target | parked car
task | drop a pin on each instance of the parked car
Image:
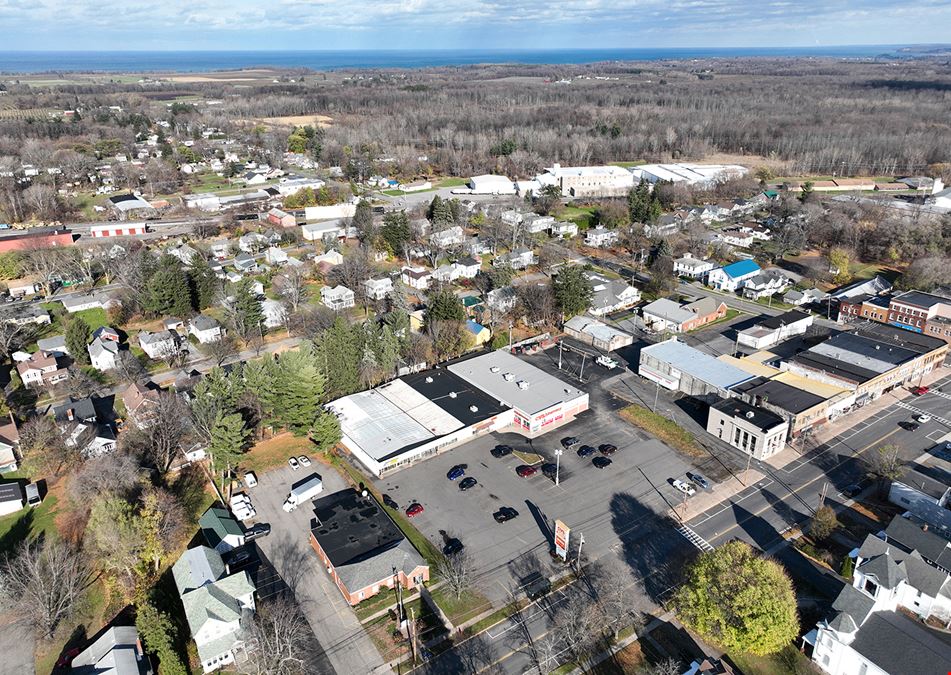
(607, 449)
(304, 460)
(239, 556)
(699, 480)
(66, 660)
(294, 464)
(524, 470)
(250, 479)
(923, 418)
(684, 487)
(607, 362)
(569, 441)
(240, 498)
(909, 426)
(257, 531)
(414, 509)
(467, 483)
(586, 450)
(504, 514)
(500, 451)
(389, 501)
(601, 462)
(455, 473)
(452, 547)
(550, 470)
(919, 391)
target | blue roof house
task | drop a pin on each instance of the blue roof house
(731, 277)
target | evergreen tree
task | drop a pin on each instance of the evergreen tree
(158, 633)
(573, 291)
(326, 430)
(339, 351)
(440, 212)
(167, 291)
(395, 231)
(247, 318)
(363, 222)
(261, 383)
(203, 284)
(445, 305)
(387, 349)
(301, 386)
(229, 436)
(77, 339)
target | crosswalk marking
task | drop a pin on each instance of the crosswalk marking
(937, 418)
(695, 538)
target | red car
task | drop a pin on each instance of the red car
(414, 509)
(524, 471)
(66, 660)
(918, 391)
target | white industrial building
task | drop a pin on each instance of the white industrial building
(420, 415)
(489, 184)
(588, 181)
(691, 174)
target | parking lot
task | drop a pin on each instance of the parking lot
(614, 508)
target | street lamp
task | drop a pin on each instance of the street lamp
(558, 453)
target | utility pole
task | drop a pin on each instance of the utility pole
(559, 354)
(580, 544)
(412, 633)
(581, 374)
(656, 394)
(558, 453)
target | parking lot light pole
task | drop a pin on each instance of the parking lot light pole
(558, 453)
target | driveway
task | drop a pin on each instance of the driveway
(341, 635)
(16, 645)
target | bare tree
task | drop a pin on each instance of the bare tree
(311, 321)
(621, 599)
(44, 582)
(14, 335)
(45, 265)
(221, 350)
(668, 666)
(456, 571)
(885, 464)
(42, 446)
(129, 368)
(169, 427)
(116, 473)
(279, 640)
(291, 285)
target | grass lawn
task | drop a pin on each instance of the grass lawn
(378, 602)
(729, 316)
(626, 165)
(27, 523)
(94, 317)
(861, 270)
(665, 430)
(583, 216)
(393, 193)
(451, 182)
(777, 304)
(209, 182)
(789, 661)
(275, 451)
(529, 458)
(459, 610)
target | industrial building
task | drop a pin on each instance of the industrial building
(774, 329)
(35, 238)
(597, 334)
(679, 367)
(364, 551)
(588, 181)
(687, 173)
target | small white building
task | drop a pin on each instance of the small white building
(205, 329)
(468, 267)
(765, 284)
(610, 295)
(275, 256)
(754, 430)
(378, 289)
(488, 184)
(730, 277)
(274, 312)
(11, 498)
(518, 259)
(103, 354)
(158, 345)
(692, 268)
(564, 229)
(451, 236)
(600, 237)
(446, 273)
(337, 298)
(774, 329)
(416, 277)
(501, 299)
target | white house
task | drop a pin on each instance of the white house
(11, 498)
(564, 229)
(468, 267)
(518, 259)
(611, 295)
(103, 354)
(158, 345)
(501, 299)
(220, 530)
(535, 224)
(217, 606)
(600, 237)
(446, 273)
(693, 268)
(765, 284)
(806, 297)
(451, 236)
(252, 242)
(511, 217)
(416, 277)
(205, 329)
(274, 312)
(275, 256)
(337, 298)
(735, 236)
(731, 277)
(9, 442)
(41, 370)
(378, 289)
(185, 253)
(220, 249)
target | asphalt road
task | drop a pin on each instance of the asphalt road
(760, 513)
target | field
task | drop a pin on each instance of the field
(296, 120)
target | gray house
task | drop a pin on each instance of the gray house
(924, 496)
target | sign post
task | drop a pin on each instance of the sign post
(562, 533)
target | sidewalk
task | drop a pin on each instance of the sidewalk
(707, 499)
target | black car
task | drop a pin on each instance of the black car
(607, 449)
(452, 547)
(549, 470)
(569, 441)
(389, 501)
(586, 451)
(467, 483)
(257, 531)
(501, 451)
(909, 426)
(239, 556)
(504, 514)
(601, 462)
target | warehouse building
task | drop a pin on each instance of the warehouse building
(598, 334)
(364, 551)
(679, 367)
(539, 402)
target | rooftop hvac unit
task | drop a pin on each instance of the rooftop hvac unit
(508, 377)
(452, 394)
(522, 384)
(750, 414)
(473, 408)
(429, 380)
(494, 369)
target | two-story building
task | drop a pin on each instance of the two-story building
(337, 298)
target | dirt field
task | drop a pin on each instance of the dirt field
(224, 76)
(297, 120)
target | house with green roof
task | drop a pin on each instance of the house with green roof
(218, 606)
(220, 530)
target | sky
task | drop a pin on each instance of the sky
(469, 24)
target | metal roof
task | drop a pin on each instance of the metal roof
(697, 364)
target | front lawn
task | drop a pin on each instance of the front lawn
(28, 523)
(275, 451)
(666, 430)
(459, 610)
(729, 316)
(789, 661)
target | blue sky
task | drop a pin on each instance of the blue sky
(490, 24)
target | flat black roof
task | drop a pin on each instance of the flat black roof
(848, 371)
(907, 339)
(10, 492)
(352, 529)
(774, 322)
(454, 395)
(780, 394)
(758, 417)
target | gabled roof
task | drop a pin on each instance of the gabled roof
(217, 524)
(741, 268)
(83, 409)
(197, 566)
(886, 569)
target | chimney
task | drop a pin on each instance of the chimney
(70, 414)
(924, 528)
